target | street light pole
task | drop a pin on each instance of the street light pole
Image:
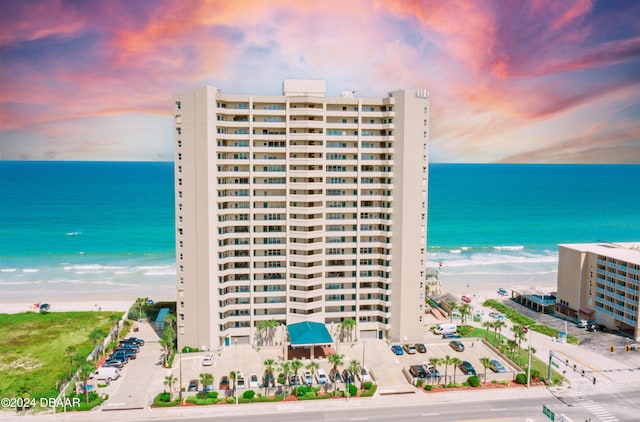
(235, 365)
(529, 364)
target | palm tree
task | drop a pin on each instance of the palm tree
(451, 305)
(96, 336)
(446, 361)
(271, 325)
(498, 325)
(139, 304)
(285, 367)
(261, 327)
(347, 326)
(296, 364)
(465, 310)
(487, 325)
(169, 380)
(115, 319)
(336, 360)
(455, 362)
(354, 367)
(206, 379)
(171, 320)
(269, 364)
(70, 351)
(512, 346)
(435, 362)
(86, 369)
(486, 363)
(313, 366)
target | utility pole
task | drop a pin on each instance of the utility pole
(525, 329)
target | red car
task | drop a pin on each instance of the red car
(466, 299)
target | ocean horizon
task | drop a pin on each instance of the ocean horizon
(108, 227)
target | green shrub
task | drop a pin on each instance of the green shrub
(188, 349)
(231, 400)
(465, 330)
(428, 387)
(249, 394)
(162, 400)
(202, 401)
(367, 385)
(353, 390)
(474, 381)
(521, 379)
(419, 382)
(370, 392)
(302, 390)
(281, 379)
(212, 395)
(494, 382)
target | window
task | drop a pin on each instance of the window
(179, 156)
(178, 105)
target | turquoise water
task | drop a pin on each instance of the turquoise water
(84, 224)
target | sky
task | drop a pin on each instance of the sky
(542, 81)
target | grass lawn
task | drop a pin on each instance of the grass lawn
(536, 364)
(32, 349)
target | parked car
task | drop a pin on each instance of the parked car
(466, 299)
(307, 378)
(335, 376)
(421, 348)
(418, 371)
(106, 374)
(502, 292)
(496, 315)
(431, 370)
(348, 376)
(268, 380)
(496, 366)
(193, 385)
(293, 380)
(224, 383)
(363, 374)
(133, 340)
(118, 358)
(129, 354)
(207, 360)
(596, 327)
(240, 382)
(253, 381)
(127, 346)
(582, 323)
(113, 363)
(410, 349)
(445, 336)
(467, 368)
(322, 377)
(457, 345)
(397, 350)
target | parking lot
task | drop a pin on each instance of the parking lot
(386, 368)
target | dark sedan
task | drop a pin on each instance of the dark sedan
(421, 348)
(467, 368)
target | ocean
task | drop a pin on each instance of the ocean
(86, 228)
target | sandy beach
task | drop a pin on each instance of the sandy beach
(63, 300)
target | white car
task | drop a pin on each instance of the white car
(363, 374)
(307, 377)
(207, 360)
(322, 377)
(253, 381)
(240, 381)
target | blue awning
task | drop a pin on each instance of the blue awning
(308, 334)
(162, 314)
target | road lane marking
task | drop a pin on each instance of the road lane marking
(358, 419)
(430, 414)
(498, 410)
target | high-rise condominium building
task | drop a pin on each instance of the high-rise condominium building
(600, 282)
(299, 207)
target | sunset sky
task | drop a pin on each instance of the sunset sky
(509, 81)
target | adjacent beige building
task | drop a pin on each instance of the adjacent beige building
(600, 282)
(299, 207)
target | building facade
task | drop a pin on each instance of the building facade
(299, 207)
(600, 282)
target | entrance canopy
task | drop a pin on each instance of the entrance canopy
(308, 334)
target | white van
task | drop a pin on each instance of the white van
(107, 374)
(446, 329)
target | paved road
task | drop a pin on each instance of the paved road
(141, 378)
